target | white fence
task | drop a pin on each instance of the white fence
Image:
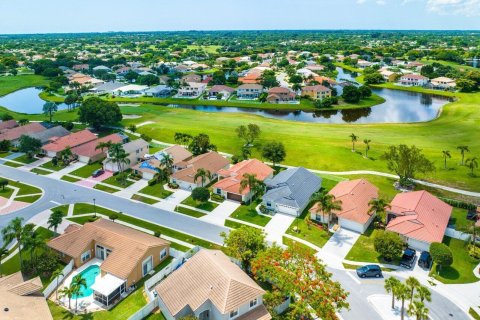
(53, 285)
(145, 311)
(282, 307)
(452, 233)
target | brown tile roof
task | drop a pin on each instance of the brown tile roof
(316, 88)
(259, 313)
(72, 140)
(420, 216)
(128, 245)
(250, 86)
(23, 299)
(208, 275)
(9, 124)
(279, 90)
(88, 149)
(219, 88)
(17, 132)
(355, 196)
(210, 161)
(178, 153)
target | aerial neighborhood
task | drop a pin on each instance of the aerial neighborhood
(240, 175)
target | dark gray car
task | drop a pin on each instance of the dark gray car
(370, 271)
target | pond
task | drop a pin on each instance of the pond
(26, 101)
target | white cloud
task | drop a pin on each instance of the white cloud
(467, 8)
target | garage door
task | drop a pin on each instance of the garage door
(234, 196)
(287, 210)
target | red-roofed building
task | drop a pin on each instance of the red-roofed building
(280, 95)
(229, 180)
(419, 217)
(87, 152)
(251, 78)
(13, 135)
(9, 124)
(355, 196)
(413, 80)
(72, 140)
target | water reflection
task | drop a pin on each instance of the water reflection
(26, 101)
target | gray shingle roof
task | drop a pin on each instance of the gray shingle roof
(292, 187)
(46, 135)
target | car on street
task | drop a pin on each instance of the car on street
(98, 173)
(425, 260)
(370, 271)
(408, 258)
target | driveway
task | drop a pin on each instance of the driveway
(71, 167)
(90, 182)
(220, 213)
(277, 226)
(338, 246)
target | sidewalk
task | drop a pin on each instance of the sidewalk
(277, 226)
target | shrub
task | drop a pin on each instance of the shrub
(474, 251)
(388, 244)
(152, 182)
(145, 137)
(68, 125)
(459, 204)
(217, 197)
(157, 234)
(173, 185)
(441, 254)
(201, 194)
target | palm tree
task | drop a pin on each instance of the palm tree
(378, 206)
(446, 154)
(67, 292)
(167, 161)
(32, 241)
(203, 174)
(472, 163)
(49, 108)
(78, 282)
(250, 181)
(412, 283)
(162, 175)
(463, 149)
(55, 219)
(327, 204)
(66, 155)
(423, 294)
(354, 139)
(403, 293)
(391, 286)
(117, 154)
(103, 145)
(56, 276)
(418, 309)
(13, 231)
(367, 146)
(3, 253)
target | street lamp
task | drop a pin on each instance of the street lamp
(94, 208)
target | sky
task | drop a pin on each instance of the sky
(66, 16)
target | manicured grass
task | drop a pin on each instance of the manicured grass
(144, 199)
(87, 170)
(6, 192)
(314, 233)
(13, 164)
(459, 219)
(207, 206)
(156, 190)
(290, 243)
(461, 270)
(81, 220)
(29, 199)
(364, 251)
(40, 171)
(105, 188)
(70, 179)
(189, 212)
(25, 159)
(115, 181)
(474, 314)
(49, 165)
(234, 224)
(249, 214)
(13, 83)
(5, 154)
(24, 188)
(63, 208)
(84, 208)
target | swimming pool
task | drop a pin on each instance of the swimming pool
(89, 274)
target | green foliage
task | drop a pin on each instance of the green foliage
(248, 133)
(244, 244)
(29, 145)
(441, 254)
(97, 113)
(200, 144)
(351, 94)
(373, 78)
(201, 194)
(389, 245)
(274, 151)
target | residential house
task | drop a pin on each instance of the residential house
(191, 78)
(160, 91)
(73, 140)
(191, 90)
(136, 151)
(130, 89)
(9, 124)
(84, 80)
(389, 76)
(210, 161)
(289, 192)
(317, 92)
(49, 134)
(80, 67)
(306, 73)
(22, 299)
(443, 83)
(355, 196)
(224, 91)
(13, 135)
(249, 91)
(148, 168)
(107, 87)
(89, 152)
(414, 65)
(101, 68)
(229, 180)
(211, 287)
(419, 217)
(126, 255)
(251, 78)
(322, 79)
(362, 64)
(280, 95)
(412, 79)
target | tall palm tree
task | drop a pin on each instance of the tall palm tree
(13, 231)
(367, 146)
(162, 175)
(446, 154)
(3, 253)
(327, 204)
(49, 108)
(55, 219)
(56, 276)
(354, 139)
(103, 145)
(423, 294)
(117, 154)
(66, 155)
(472, 163)
(203, 174)
(78, 282)
(463, 149)
(167, 161)
(391, 286)
(418, 310)
(32, 241)
(250, 181)
(412, 283)
(378, 206)
(68, 292)
(403, 294)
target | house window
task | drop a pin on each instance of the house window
(233, 313)
(163, 254)
(219, 191)
(85, 256)
(147, 266)
(269, 204)
(253, 303)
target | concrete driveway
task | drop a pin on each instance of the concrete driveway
(338, 246)
(220, 213)
(277, 226)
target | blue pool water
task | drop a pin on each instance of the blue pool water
(89, 274)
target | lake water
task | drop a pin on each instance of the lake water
(26, 101)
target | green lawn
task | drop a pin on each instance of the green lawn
(49, 165)
(459, 219)
(40, 171)
(117, 181)
(3, 154)
(25, 159)
(14, 83)
(13, 164)
(24, 188)
(461, 271)
(290, 243)
(156, 190)
(474, 314)
(207, 206)
(314, 234)
(70, 179)
(189, 212)
(81, 220)
(144, 199)
(249, 214)
(234, 224)
(364, 251)
(63, 208)
(87, 170)
(84, 208)
(6, 192)
(29, 199)
(105, 188)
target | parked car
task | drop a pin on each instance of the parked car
(98, 173)
(370, 271)
(408, 258)
(472, 215)
(425, 260)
